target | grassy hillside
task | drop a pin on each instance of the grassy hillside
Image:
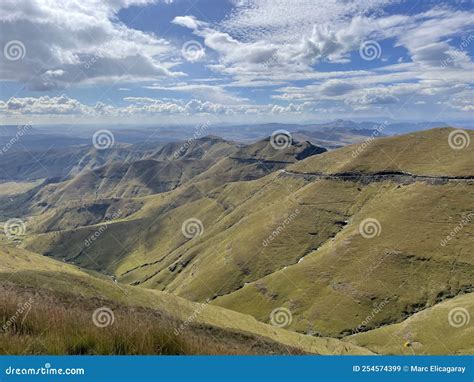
(427, 332)
(405, 265)
(423, 153)
(63, 297)
(293, 239)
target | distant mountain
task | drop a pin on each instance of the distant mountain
(125, 173)
(23, 164)
(330, 134)
(27, 137)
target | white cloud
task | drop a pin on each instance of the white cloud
(187, 21)
(69, 42)
(64, 105)
(281, 49)
(213, 93)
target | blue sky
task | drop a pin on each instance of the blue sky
(133, 61)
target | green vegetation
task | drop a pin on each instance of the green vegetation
(63, 299)
(426, 332)
(276, 232)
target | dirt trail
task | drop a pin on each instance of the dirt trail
(394, 176)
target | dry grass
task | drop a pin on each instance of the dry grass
(59, 327)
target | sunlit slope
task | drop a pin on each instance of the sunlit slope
(254, 161)
(144, 231)
(446, 328)
(405, 268)
(26, 269)
(194, 149)
(423, 153)
(293, 241)
(148, 248)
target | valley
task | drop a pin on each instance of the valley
(344, 245)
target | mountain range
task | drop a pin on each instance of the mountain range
(345, 242)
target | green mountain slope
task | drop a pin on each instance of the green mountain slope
(446, 328)
(334, 238)
(44, 281)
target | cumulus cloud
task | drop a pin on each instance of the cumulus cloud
(45, 105)
(187, 21)
(372, 98)
(67, 42)
(336, 88)
(64, 105)
(296, 61)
